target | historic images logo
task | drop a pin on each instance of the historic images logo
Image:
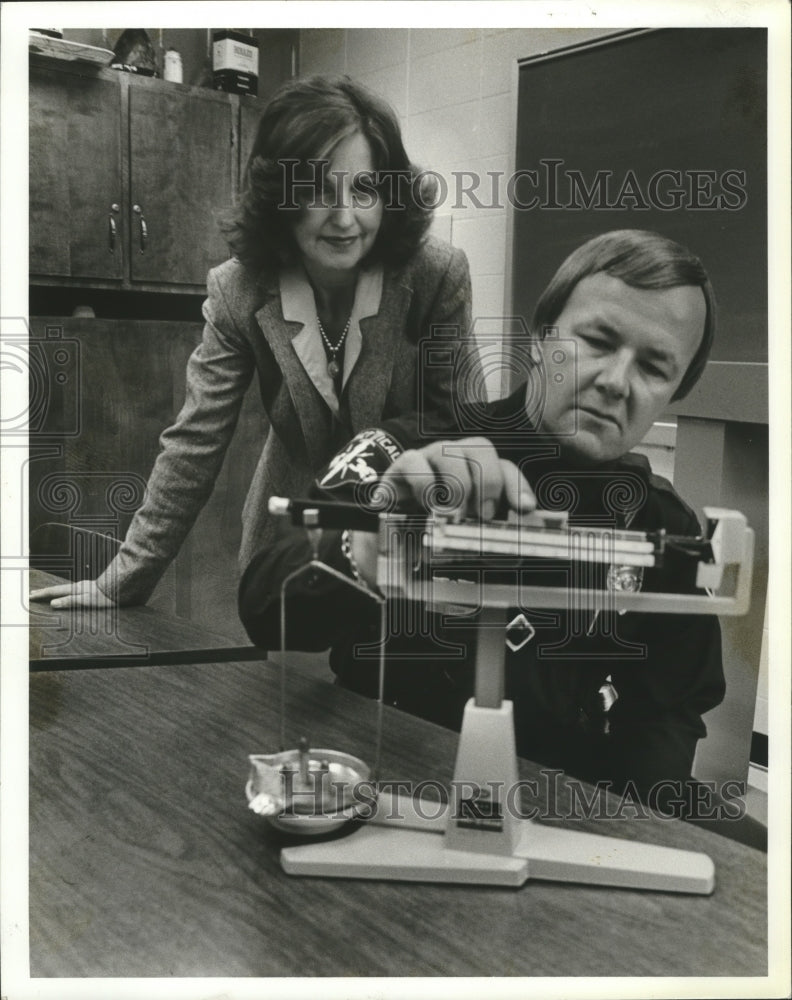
(552, 185)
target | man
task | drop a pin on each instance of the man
(623, 329)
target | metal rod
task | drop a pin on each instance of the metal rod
(380, 694)
(490, 658)
(315, 565)
(444, 592)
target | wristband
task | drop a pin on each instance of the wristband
(346, 550)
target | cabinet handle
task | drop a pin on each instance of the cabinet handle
(143, 227)
(114, 209)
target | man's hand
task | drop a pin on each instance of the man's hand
(464, 476)
(84, 594)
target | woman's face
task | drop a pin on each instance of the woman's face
(338, 231)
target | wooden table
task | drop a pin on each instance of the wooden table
(120, 637)
(146, 861)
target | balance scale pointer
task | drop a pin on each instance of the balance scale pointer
(475, 838)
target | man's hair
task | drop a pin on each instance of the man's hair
(640, 259)
(304, 121)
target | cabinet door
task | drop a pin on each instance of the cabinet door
(75, 176)
(249, 114)
(180, 180)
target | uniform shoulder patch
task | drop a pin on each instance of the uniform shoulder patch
(363, 460)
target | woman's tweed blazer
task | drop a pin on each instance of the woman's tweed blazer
(245, 332)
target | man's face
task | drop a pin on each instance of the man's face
(633, 348)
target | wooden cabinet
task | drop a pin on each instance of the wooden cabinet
(181, 178)
(128, 176)
(76, 186)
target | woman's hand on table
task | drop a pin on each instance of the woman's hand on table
(83, 594)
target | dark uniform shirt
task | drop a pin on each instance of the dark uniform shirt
(606, 697)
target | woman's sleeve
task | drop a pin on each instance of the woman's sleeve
(448, 368)
(451, 374)
(219, 372)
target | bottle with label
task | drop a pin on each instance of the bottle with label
(172, 70)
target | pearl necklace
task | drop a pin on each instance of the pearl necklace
(333, 367)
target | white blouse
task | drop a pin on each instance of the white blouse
(299, 305)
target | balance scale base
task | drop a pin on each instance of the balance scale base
(399, 842)
(542, 852)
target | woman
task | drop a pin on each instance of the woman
(333, 285)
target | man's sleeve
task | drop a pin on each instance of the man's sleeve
(321, 609)
(681, 675)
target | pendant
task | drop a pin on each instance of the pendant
(332, 368)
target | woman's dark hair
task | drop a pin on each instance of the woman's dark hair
(303, 121)
(641, 259)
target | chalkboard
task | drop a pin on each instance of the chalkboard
(662, 130)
